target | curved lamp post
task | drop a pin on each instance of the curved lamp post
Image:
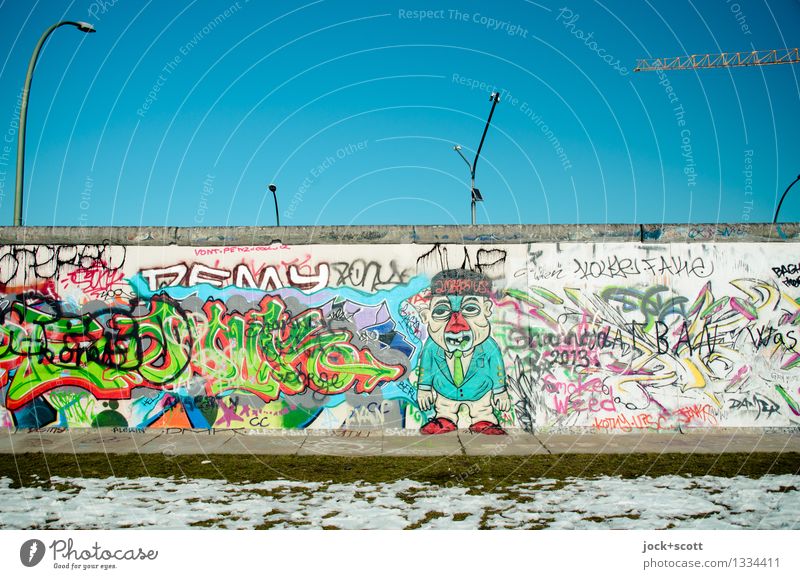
(272, 187)
(778, 210)
(23, 112)
(476, 194)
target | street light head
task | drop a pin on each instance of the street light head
(457, 148)
(85, 27)
(272, 187)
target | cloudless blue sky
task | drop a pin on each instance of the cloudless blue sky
(180, 113)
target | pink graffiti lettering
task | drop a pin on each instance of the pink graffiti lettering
(95, 280)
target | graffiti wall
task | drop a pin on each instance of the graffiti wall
(615, 337)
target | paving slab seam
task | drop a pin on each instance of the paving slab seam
(299, 448)
(160, 434)
(227, 442)
(544, 446)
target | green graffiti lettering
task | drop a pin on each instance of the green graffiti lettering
(264, 351)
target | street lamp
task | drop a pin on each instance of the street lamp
(23, 112)
(775, 220)
(272, 187)
(476, 193)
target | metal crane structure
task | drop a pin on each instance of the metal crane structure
(725, 60)
(722, 60)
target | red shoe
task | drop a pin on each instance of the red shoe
(438, 426)
(486, 427)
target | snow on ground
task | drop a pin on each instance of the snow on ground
(705, 502)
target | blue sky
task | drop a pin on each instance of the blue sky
(180, 113)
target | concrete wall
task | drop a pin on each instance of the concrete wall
(611, 328)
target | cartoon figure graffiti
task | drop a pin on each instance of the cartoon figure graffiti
(460, 364)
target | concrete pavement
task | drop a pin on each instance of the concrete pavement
(380, 443)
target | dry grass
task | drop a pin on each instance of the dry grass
(482, 473)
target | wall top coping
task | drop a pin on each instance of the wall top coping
(402, 234)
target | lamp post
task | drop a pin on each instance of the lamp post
(272, 187)
(23, 112)
(778, 210)
(476, 193)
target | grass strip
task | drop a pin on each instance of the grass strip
(471, 471)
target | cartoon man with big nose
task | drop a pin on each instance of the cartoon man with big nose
(460, 364)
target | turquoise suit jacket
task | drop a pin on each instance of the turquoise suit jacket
(486, 372)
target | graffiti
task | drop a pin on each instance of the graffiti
(22, 265)
(788, 269)
(97, 280)
(697, 413)
(757, 402)
(242, 275)
(579, 347)
(793, 405)
(527, 395)
(764, 336)
(371, 414)
(691, 341)
(650, 302)
(591, 396)
(208, 431)
(265, 351)
(250, 353)
(489, 262)
(536, 272)
(203, 251)
(615, 267)
(369, 275)
(712, 231)
(536, 336)
(461, 365)
(107, 352)
(678, 344)
(411, 322)
(630, 423)
(375, 326)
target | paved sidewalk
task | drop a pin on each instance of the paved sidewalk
(378, 443)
